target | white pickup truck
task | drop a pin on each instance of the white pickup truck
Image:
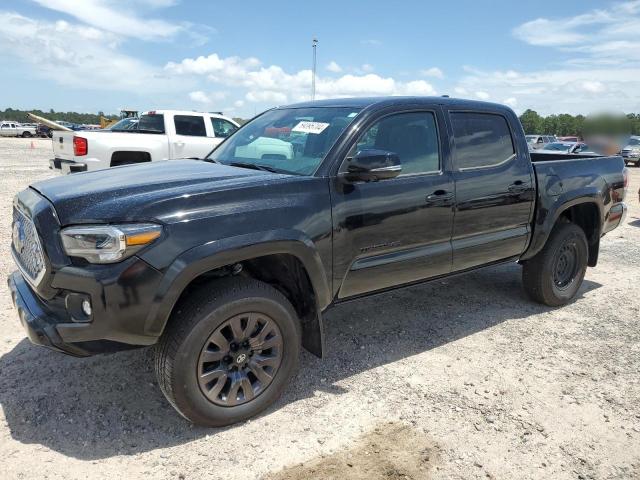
(14, 129)
(158, 135)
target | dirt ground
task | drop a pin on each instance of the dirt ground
(457, 379)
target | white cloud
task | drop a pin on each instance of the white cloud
(213, 65)
(482, 95)
(511, 101)
(334, 67)
(115, 18)
(434, 72)
(600, 36)
(560, 90)
(367, 68)
(206, 98)
(593, 86)
(372, 42)
(273, 85)
(78, 56)
(266, 96)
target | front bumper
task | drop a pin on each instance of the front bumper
(120, 295)
(67, 166)
(39, 323)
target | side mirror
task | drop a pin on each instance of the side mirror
(371, 165)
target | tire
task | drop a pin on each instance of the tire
(193, 336)
(555, 274)
(26, 134)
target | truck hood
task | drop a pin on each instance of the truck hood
(147, 191)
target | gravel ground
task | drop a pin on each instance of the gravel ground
(462, 378)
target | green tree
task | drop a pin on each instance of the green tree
(531, 122)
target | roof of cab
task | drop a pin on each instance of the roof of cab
(363, 102)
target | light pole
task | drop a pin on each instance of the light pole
(313, 73)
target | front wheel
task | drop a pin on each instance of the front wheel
(228, 352)
(555, 274)
(26, 134)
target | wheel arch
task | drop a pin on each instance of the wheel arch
(285, 260)
(586, 212)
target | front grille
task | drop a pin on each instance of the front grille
(27, 249)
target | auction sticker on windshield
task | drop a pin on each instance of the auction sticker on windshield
(310, 127)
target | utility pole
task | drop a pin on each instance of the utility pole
(313, 74)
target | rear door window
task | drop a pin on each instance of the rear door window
(191, 125)
(481, 139)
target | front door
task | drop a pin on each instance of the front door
(395, 231)
(191, 139)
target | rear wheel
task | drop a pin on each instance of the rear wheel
(26, 134)
(555, 274)
(228, 352)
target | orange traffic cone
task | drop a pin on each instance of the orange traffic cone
(32, 145)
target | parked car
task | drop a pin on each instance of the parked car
(569, 139)
(14, 129)
(539, 141)
(158, 135)
(228, 264)
(44, 131)
(631, 153)
(566, 147)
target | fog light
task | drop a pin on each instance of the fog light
(86, 307)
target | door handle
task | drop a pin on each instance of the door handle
(519, 187)
(439, 197)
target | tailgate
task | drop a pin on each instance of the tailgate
(63, 145)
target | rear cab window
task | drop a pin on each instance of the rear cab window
(190, 125)
(151, 123)
(481, 139)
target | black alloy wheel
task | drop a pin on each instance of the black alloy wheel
(240, 358)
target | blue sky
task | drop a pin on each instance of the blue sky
(243, 57)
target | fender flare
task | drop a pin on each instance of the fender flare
(218, 253)
(543, 229)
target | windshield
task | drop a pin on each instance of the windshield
(124, 125)
(531, 138)
(558, 146)
(292, 140)
(634, 141)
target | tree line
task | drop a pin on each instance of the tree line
(565, 124)
(20, 116)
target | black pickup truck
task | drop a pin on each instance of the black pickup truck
(226, 264)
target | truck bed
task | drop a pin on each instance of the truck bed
(550, 157)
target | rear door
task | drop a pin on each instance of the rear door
(395, 231)
(193, 136)
(494, 188)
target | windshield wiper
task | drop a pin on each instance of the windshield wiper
(254, 166)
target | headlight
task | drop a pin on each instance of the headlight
(108, 243)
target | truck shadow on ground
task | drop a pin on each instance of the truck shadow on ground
(111, 405)
(635, 223)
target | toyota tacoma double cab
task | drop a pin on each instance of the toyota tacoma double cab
(227, 264)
